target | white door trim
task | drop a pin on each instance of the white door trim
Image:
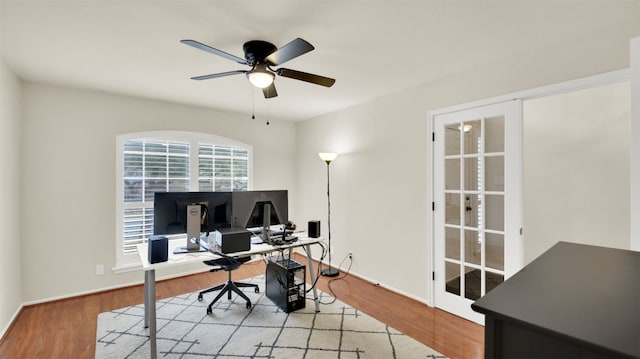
(513, 249)
(635, 145)
(607, 78)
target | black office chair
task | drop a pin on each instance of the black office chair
(228, 264)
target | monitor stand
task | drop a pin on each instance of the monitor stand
(180, 250)
(193, 231)
(201, 246)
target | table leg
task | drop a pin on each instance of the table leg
(146, 299)
(150, 309)
(312, 275)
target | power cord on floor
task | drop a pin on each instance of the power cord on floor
(330, 281)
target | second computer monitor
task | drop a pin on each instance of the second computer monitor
(170, 211)
(248, 208)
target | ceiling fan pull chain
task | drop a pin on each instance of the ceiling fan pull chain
(253, 104)
(268, 112)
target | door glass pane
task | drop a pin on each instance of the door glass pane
(471, 174)
(452, 174)
(452, 271)
(494, 212)
(472, 210)
(452, 211)
(492, 280)
(472, 283)
(494, 134)
(472, 132)
(452, 243)
(494, 250)
(472, 247)
(494, 169)
(451, 140)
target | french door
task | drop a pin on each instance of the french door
(477, 191)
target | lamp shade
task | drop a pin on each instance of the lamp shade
(328, 156)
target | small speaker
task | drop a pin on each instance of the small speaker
(313, 230)
(158, 249)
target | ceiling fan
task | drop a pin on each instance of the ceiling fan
(261, 56)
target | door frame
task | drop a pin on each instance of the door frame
(603, 79)
(511, 112)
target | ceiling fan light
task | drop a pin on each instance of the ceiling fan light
(260, 79)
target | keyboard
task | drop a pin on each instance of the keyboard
(258, 239)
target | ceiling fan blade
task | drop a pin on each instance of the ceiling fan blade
(307, 77)
(289, 51)
(270, 91)
(220, 74)
(210, 49)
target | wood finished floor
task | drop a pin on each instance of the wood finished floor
(67, 328)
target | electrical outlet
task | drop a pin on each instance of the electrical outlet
(350, 255)
(100, 269)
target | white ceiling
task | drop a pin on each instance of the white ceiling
(372, 48)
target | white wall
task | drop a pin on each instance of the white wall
(10, 257)
(576, 169)
(68, 177)
(380, 186)
(635, 144)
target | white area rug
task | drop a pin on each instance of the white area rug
(264, 331)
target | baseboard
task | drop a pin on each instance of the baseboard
(375, 282)
(119, 286)
(182, 274)
(10, 322)
(6, 328)
(392, 289)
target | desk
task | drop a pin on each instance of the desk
(574, 301)
(186, 258)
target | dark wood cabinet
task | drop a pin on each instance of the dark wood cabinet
(574, 301)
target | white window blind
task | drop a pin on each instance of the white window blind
(150, 166)
(222, 168)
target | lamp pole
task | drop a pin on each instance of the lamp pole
(328, 157)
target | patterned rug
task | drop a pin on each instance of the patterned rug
(264, 331)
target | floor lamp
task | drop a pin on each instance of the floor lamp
(328, 157)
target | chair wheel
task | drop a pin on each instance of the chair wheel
(199, 297)
(257, 290)
(248, 305)
(209, 311)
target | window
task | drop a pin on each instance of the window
(170, 161)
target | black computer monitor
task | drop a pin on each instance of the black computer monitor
(170, 214)
(249, 208)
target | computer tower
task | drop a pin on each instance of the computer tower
(285, 283)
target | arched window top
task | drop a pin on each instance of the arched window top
(186, 136)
